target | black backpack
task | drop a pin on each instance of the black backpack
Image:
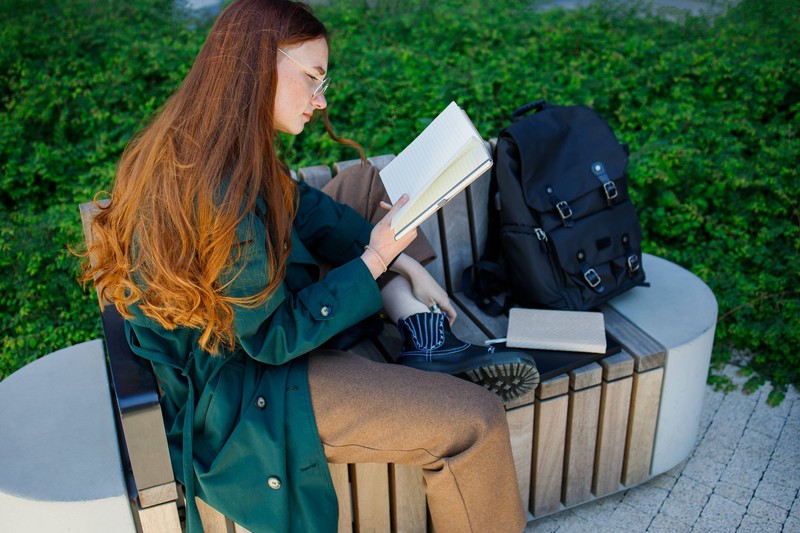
(569, 234)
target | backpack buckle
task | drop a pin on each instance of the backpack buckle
(633, 263)
(565, 211)
(611, 190)
(592, 278)
(609, 187)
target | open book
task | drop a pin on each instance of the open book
(545, 329)
(446, 157)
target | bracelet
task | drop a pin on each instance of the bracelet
(374, 251)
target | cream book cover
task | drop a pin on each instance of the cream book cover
(544, 329)
(447, 156)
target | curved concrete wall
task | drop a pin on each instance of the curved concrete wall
(679, 311)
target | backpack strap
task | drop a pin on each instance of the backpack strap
(609, 187)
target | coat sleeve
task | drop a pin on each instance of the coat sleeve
(290, 324)
(334, 231)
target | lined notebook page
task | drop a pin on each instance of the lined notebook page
(429, 154)
(452, 180)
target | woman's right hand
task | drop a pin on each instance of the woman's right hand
(382, 240)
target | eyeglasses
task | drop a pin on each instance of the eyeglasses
(323, 84)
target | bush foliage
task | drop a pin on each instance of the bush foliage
(709, 106)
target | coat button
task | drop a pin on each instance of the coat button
(274, 482)
(285, 245)
(261, 402)
(325, 311)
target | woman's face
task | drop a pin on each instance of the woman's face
(301, 69)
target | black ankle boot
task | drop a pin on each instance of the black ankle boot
(428, 344)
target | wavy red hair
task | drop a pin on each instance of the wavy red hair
(187, 180)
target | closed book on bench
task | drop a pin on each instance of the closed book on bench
(447, 156)
(544, 329)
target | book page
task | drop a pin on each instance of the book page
(474, 159)
(429, 154)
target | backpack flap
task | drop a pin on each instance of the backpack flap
(563, 146)
(601, 256)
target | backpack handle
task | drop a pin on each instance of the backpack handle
(538, 105)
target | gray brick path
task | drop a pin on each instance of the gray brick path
(743, 476)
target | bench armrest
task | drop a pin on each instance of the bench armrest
(135, 391)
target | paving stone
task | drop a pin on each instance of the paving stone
(795, 511)
(713, 450)
(646, 498)
(668, 524)
(751, 524)
(749, 461)
(686, 500)
(770, 420)
(563, 522)
(630, 518)
(722, 512)
(767, 511)
(663, 481)
(711, 525)
(792, 525)
(779, 495)
(734, 492)
(784, 469)
(703, 469)
(598, 510)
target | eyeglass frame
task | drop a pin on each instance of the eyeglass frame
(324, 83)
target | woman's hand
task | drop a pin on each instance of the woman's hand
(424, 287)
(382, 242)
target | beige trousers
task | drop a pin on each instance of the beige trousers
(369, 412)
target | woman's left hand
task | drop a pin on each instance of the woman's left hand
(424, 287)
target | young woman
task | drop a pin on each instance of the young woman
(235, 281)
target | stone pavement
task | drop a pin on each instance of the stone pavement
(743, 476)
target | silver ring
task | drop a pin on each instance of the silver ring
(434, 307)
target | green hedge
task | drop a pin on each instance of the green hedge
(709, 107)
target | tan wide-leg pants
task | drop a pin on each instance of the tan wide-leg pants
(369, 412)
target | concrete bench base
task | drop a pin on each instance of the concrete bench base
(60, 468)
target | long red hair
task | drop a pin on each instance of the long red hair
(187, 180)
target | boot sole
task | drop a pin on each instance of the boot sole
(509, 379)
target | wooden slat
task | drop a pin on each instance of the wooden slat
(613, 423)
(549, 438)
(213, 521)
(645, 402)
(341, 165)
(316, 176)
(240, 529)
(160, 519)
(341, 485)
(408, 499)
(430, 228)
(582, 422)
(371, 497)
(457, 240)
(520, 427)
(646, 351)
(380, 161)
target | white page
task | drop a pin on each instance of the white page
(460, 173)
(429, 154)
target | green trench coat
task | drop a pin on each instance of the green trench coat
(240, 426)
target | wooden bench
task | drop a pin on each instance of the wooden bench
(592, 427)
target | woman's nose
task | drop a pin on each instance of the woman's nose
(319, 101)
